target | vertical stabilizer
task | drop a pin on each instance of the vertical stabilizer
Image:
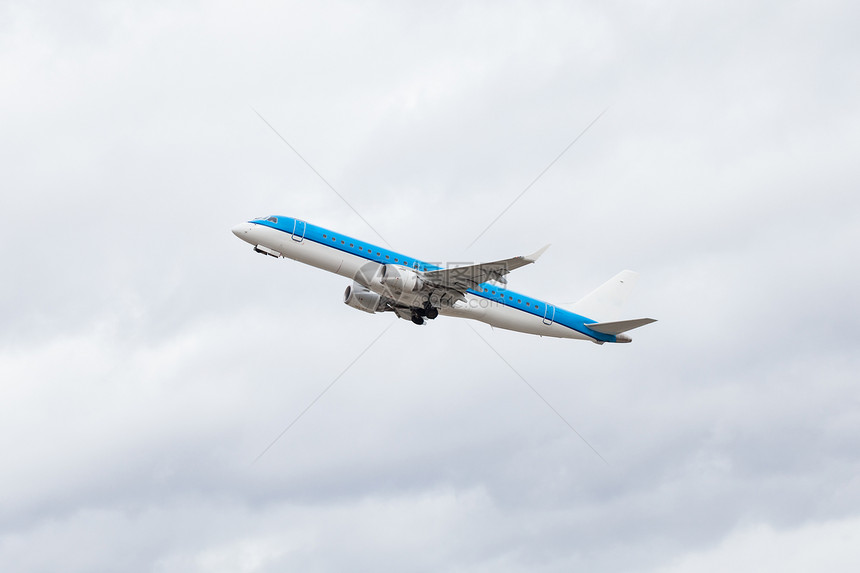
(604, 303)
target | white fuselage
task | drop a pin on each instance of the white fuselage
(276, 242)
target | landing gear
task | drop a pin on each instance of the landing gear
(427, 311)
(430, 311)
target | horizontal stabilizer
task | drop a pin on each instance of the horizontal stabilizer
(619, 326)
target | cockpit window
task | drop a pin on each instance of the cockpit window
(272, 219)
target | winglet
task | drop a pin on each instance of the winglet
(536, 255)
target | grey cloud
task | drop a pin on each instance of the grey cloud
(146, 356)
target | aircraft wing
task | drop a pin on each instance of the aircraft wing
(460, 279)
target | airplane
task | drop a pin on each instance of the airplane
(387, 281)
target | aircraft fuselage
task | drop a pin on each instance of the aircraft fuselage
(363, 262)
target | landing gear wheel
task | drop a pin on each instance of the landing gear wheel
(417, 319)
(430, 311)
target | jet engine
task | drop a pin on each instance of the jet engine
(363, 298)
(400, 280)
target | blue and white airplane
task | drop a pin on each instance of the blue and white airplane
(386, 281)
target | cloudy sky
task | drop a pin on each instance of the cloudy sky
(147, 356)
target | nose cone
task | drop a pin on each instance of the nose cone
(241, 230)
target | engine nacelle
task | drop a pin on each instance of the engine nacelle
(363, 298)
(400, 280)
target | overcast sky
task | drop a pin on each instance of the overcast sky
(147, 356)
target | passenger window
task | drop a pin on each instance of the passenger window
(341, 242)
(351, 246)
(325, 236)
(519, 301)
(386, 256)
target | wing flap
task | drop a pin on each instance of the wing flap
(470, 276)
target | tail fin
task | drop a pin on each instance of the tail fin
(604, 303)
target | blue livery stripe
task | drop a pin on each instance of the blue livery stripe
(382, 255)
